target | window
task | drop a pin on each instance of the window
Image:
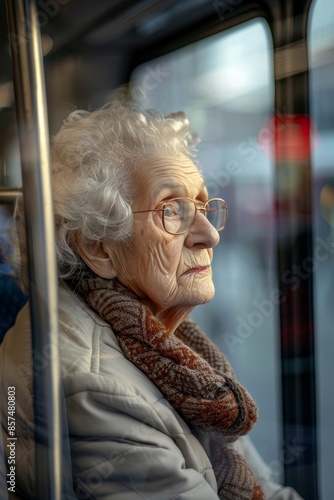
(321, 38)
(224, 83)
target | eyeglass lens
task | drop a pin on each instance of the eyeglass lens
(216, 212)
(178, 214)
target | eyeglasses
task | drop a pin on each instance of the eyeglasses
(178, 214)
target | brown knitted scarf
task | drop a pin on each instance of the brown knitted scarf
(191, 373)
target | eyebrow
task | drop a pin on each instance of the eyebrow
(172, 186)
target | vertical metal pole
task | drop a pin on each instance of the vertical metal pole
(295, 249)
(24, 37)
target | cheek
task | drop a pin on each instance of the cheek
(164, 255)
(151, 263)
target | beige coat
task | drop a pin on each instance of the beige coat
(126, 441)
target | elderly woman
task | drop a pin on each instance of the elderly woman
(153, 408)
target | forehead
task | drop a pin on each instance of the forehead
(163, 176)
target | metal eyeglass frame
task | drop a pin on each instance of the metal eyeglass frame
(195, 202)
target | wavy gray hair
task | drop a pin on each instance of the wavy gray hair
(93, 157)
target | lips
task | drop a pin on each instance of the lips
(197, 269)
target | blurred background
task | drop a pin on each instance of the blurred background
(224, 75)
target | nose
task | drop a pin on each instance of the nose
(202, 234)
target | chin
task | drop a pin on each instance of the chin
(205, 293)
(206, 299)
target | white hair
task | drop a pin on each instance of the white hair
(93, 158)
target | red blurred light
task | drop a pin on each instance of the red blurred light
(289, 138)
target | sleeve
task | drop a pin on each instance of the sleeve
(121, 450)
(261, 470)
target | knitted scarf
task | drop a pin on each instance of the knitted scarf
(194, 376)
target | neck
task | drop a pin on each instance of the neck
(173, 317)
(170, 317)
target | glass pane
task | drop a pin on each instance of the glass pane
(321, 39)
(225, 85)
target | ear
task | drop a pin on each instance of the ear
(96, 258)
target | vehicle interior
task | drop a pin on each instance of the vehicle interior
(256, 79)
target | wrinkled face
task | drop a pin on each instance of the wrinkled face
(171, 273)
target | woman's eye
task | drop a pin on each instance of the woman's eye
(171, 210)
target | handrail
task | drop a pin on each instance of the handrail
(9, 195)
(31, 113)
